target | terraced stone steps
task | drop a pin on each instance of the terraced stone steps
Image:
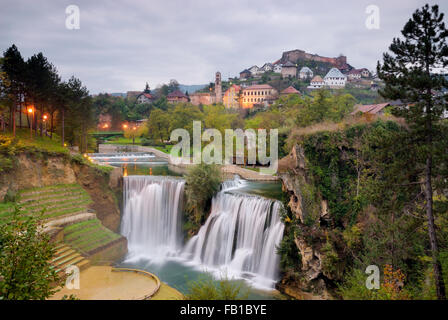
(67, 256)
(53, 201)
(87, 236)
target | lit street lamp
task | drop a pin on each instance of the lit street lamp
(44, 119)
(31, 112)
(133, 135)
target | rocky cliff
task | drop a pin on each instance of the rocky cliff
(307, 228)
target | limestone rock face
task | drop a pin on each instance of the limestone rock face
(291, 170)
(32, 172)
(295, 181)
(311, 260)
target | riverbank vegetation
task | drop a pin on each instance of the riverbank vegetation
(25, 254)
(207, 288)
(202, 182)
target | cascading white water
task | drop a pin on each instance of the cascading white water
(239, 238)
(152, 216)
(235, 183)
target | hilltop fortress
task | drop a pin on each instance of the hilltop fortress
(295, 55)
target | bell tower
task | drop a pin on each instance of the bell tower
(218, 88)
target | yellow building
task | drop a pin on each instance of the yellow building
(259, 94)
(231, 97)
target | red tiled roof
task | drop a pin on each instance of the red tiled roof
(370, 108)
(236, 87)
(355, 71)
(259, 86)
(317, 79)
(290, 90)
(176, 94)
(148, 95)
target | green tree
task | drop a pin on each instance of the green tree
(408, 74)
(25, 252)
(183, 115)
(201, 184)
(80, 116)
(158, 125)
(42, 80)
(13, 67)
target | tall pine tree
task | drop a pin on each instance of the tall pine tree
(409, 73)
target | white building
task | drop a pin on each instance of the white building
(335, 79)
(305, 73)
(277, 68)
(316, 83)
(267, 67)
(254, 70)
(354, 74)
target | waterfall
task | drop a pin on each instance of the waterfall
(152, 216)
(236, 183)
(239, 239)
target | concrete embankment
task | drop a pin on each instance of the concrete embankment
(227, 170)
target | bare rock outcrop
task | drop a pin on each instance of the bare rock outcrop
(310, 210)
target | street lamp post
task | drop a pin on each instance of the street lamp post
(133, 135)
(44, 118)
(31, 112)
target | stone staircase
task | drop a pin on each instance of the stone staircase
(79, 236)
(66, 256)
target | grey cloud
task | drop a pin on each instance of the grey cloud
(123, 44)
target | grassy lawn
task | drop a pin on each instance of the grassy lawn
(165, 149)
(25, 142)
(88, 235)
(251, 168)
(123, 140)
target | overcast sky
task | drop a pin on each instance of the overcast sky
(123, 44)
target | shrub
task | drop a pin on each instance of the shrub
(25, 253)
(202, 183)
(208, 289)
(11, 196)
(391, 286)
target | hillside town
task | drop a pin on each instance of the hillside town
(296, 72)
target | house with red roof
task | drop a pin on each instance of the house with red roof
(145, 96)
(289, 90)
(377, 109)
(177, 96)
(316, 83)
(354, 74)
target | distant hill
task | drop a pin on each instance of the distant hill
(118, 94)
(191, 88)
